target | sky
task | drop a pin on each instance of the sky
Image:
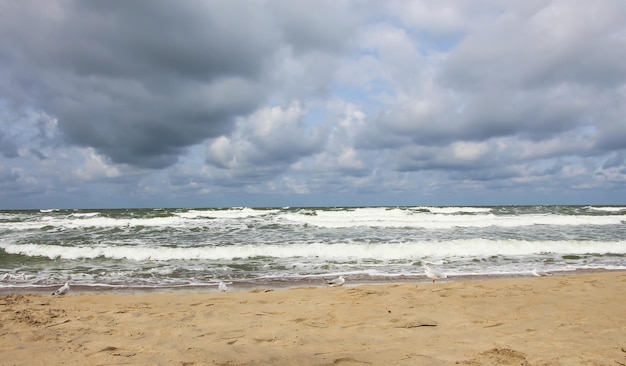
(113, 104)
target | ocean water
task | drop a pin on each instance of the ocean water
(177, 248)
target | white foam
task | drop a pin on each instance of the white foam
(84, 214)
(7, 276)
(378, 217)
(233, 213)
(321, 251)
(451, 210)
(396, 218)
(607, 209)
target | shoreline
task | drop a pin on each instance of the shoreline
(556, 320)
(277, 284)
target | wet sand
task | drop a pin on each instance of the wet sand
(559, 320)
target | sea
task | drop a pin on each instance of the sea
(183, 248)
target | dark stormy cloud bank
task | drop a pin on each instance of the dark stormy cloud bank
(206, 103)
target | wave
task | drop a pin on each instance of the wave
(396, 218)
(607, 208)
(95, 220)
(324, 252)
(422, 217)
(452, 210)
(84, 214)
(233, 213)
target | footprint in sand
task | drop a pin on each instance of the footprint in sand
(498, 356)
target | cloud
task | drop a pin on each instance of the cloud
(141, 82)
(281, 101)
(529, 75)
(265, 143)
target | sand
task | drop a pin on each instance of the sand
(557, 320)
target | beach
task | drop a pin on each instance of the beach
(557, 320)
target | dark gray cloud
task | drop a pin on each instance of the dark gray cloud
(141, 81)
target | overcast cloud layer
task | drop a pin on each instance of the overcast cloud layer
(309, 103)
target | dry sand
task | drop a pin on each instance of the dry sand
(558, 320)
